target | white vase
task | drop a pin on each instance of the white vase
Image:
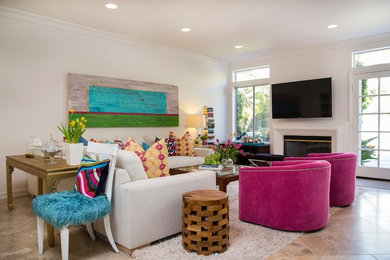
(73, 153)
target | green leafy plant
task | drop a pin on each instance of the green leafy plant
(212, 159)
(368, 152)
(74, 129)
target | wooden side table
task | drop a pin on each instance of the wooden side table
(205, 221)
(48, 178)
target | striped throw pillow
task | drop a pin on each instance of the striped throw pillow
(91, 177)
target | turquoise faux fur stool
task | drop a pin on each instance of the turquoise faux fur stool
(81, 206)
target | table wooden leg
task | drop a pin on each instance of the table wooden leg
(40, 186)
(46, 183)
(9, 170)
(222, 186)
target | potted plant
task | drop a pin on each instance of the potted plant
(228, 152)
(72, 133)
(204, 139)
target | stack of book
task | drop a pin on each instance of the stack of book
(211, 167)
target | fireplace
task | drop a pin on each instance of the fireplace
(298, 145)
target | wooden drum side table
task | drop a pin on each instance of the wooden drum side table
(205, 221)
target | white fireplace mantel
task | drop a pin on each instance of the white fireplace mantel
(333, 129)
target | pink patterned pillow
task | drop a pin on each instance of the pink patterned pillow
(155, 159)
(184, 145)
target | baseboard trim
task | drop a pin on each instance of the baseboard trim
(15, 193)
(120, 247)
(370, 178)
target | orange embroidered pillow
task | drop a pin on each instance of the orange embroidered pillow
(184, 144)
(155, 159)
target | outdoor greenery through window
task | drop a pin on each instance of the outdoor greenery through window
(262, 72)
(253, 112)
(374, 111)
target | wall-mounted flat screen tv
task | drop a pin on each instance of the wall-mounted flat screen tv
(302, 99)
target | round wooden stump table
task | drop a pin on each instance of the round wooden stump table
(205, 221)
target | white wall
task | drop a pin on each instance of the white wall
(332, 60)
(36, 53)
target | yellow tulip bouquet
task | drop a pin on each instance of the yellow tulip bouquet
(74, 129)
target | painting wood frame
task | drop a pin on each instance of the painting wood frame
(111, 102)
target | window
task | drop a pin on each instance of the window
(262, 72)
(371, 88)
(253, 112)
(374, 117)
(371, 57)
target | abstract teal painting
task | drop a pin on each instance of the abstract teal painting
(109, 102)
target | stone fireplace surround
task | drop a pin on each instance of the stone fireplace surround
(283, 127)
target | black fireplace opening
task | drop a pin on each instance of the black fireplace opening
(300, 146)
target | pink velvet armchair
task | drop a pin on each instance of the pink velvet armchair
(343, 175)
(289, 195)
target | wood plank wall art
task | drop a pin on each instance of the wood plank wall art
(110, 102)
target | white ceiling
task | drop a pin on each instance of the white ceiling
(261, 26)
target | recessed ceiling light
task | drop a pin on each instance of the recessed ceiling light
(332, 26)
(185, 29)
(238, 46)
(111, 6)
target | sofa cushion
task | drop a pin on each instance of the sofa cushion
(131, 162)
(171, 146)
(184, 144)
(184, 161)
(151, 139)
(154, 160)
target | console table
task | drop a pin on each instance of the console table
(48, 178)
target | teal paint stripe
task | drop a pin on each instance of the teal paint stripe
(104, 99)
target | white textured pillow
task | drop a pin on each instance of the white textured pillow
(149, 139)
(132, 164)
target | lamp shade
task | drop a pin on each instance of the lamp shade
(196, 121)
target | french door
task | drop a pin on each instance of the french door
(371, 123)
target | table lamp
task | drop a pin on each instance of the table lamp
(196, 121)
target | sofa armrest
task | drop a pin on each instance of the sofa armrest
(147, 210)
(203, 152)
(121, 176)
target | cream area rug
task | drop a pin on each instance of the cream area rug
(246, 241)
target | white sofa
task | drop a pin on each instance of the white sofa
(179, 161)
(183, 161)
(145, 210)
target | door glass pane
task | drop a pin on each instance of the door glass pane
(385, 141)
(369, 158)
(244, 111)
(385, 85)
(369, 104)
(369, 140)
(385, 122)
(369, 122)
(385, 104)
(385, 159)
(369, 87)
(262, 112)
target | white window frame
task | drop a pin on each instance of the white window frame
(359, 73)
(251, 68)
(247, 83)
(367, 51)
(254, 104)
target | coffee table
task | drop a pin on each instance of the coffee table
(223, 178)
